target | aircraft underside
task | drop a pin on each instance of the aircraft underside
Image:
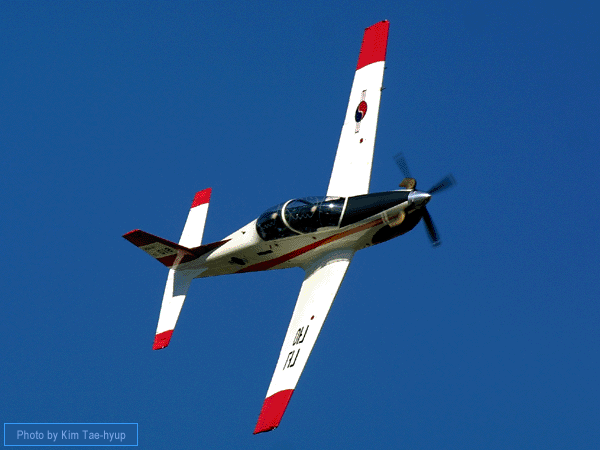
(247, 252)
(318, 234)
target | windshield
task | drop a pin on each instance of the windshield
(307, 215)
(270, 224)
(303, 215)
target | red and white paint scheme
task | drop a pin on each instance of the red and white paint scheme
(318, 234)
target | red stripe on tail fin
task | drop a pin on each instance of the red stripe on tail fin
(166, 251)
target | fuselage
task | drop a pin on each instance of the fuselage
(296, 232)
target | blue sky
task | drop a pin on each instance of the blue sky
(113, 114)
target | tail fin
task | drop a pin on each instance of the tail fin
(166, 251)
(173, 255)
(189, 247)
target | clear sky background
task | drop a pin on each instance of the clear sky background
(113, 114)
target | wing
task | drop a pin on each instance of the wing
(352, 167)
(318, 291)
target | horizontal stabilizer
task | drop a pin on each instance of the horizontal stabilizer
(194, 225)
(178, 283)
(166, 251)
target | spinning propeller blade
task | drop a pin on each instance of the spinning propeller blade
(401, 163)
(431, 231)
(447, 182)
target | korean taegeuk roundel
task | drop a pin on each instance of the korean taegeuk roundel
(361, 111)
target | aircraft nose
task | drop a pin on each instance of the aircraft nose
(418, 198)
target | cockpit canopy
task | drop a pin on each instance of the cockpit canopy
(300, 216)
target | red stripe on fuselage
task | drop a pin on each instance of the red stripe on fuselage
(266, 265)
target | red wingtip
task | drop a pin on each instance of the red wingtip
(202, 197)
(161, 340)
(374, 44)
(272, 411)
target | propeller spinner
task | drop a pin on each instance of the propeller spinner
(420, 199)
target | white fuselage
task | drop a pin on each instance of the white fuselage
(246, 251)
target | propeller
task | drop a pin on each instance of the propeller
(401, 163)
(447, 182)
(434, 237)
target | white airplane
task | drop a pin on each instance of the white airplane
(318, 234)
